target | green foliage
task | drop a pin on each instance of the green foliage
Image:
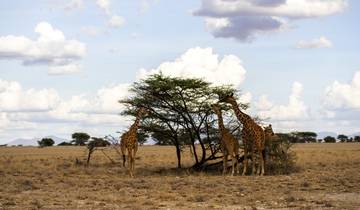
(343, 138)
(280, 158)
(97, 142)
(329, 139)
(46, 142)
(303, 137)
(142, 136)
(80, 138)
(179, 110)
(356, 138)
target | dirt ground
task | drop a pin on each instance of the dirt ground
(49, 178)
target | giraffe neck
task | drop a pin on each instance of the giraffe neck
(241, 116)
(135, 125)
(220, 122)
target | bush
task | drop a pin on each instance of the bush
(280, 159)
(329, 139)
(46, 142)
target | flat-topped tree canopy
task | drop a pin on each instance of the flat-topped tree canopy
(181, 105)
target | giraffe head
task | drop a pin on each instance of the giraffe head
(215, 108)
(142, 111)
(269, 131)
(229, 98)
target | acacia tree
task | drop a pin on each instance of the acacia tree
(46, 142)
(179, 111)
(329, 139)
(304, 137)
(80, 138)
(342, 137)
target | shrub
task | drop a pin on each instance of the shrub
(280, 159)
(46, 142)
(329, 139)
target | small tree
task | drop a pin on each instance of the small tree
(94, 144)
(80, 138)
(342, 138)
(357, 138)
(329, 139)
(46, 142)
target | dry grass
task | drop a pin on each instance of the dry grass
(48, 178)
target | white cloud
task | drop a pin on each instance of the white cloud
(244, 28)
(294, 110)
(22, 109)
(75, 4)
(342, 95)
(51, 48)
(321, 42)
(245, 98)
(146, 4)
(90, 30)
(65, 69)
(104, 5)
(14, 98)
(247, 19)
(116, 21)
(203, 63)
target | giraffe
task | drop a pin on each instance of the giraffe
(229, 145)
(269, 136)
(129, 142)
(252, 134)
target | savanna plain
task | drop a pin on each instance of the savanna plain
(327, 177)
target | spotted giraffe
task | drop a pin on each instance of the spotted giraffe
(253, 136)
(229, 145)
(269, 137)
(129, 142)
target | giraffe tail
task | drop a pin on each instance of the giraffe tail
(124, 160)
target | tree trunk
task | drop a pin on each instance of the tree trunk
(178, 154)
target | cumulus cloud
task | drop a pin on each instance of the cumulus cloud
(321, 42)
(243, 28)
(294, 110)
(74, 4)
(246, 19)
(343, 95)
(14, 98)
(90, 30)
(51, 48)
(104, 5)
(146, 4)
(203, 63)
(23, 109)
(116, 21)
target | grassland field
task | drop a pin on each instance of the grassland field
(49, 178)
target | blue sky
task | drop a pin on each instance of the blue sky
(298, 66)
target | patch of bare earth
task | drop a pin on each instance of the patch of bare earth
(49, 178)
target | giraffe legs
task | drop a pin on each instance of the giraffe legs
(253, 160)
(123, 150)
(234, 162)
(225, 159)
(130, 162)
(245, 160)
(237, 164)
(262, 161)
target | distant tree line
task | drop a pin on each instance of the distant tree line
(311, 137)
